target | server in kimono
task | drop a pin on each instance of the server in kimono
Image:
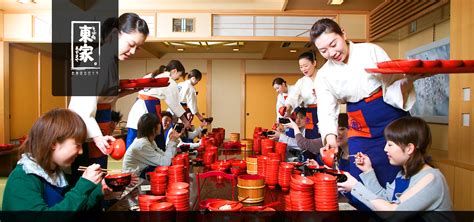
(373, 100)
(304, 94)
(149, 100)
(96, 111)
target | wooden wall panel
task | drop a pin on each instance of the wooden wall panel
(47, 100)
(23, 90)
(461, 141)
(448, 172)
(460, 137)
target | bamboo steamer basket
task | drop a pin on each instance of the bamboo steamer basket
(251, 165)
(234, 137)
(251, 186)
(247, 144)
(247, 148)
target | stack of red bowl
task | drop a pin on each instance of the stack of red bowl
(204, 140)
(287, 202)
(208, 158)
(284, 175)
(145, 201)
(257, 142)
(257, 129)
(280, 148)
(177, 160)
(271, 173)
(162, 169)
(185, 157)
(301, 191)
(267, 146)
(162, 206)
(158, 183)
(212, 149)
(176, 173)
(178, 185)
(274, 156)
(179, 198)
(325, 192)
(261, 165)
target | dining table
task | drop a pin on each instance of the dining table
(211, 188)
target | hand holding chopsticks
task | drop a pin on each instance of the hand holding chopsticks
(83, 168)
(93, 173)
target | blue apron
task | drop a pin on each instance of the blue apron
(401, 185)
(152, 105)
(52, 194)
(367, 121)
(312, 131)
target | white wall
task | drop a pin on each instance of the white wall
(226, 94)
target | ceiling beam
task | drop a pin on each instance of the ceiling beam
(152, 51)
(265, 50)
(285, 3)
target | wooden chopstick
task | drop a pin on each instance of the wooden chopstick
(83, 168)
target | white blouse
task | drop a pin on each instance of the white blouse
(187, 94)
(169, 94)
(281, 100)
(341, 83)
(86, 108)
(304, 92)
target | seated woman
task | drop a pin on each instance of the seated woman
(38, 182)
(312, 145)
(187, 139)
(167, 122)
(143, 155)
(294, 149)
(417, 187)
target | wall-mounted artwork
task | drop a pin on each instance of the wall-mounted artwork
(432, 94)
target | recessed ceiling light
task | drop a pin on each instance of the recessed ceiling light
(335, 2)
(292, 50)
(180, 49)
(235, 50)
(26, 1)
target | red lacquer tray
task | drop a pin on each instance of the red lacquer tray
(142, 83)
(425, 67)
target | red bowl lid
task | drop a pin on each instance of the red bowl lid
(161, 206)
(324, 177)
(300, 180)
(179, 185)
(177, 192)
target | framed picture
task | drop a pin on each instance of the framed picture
(432, 94)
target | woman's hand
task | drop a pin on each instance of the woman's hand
(204, 124)
(174, 135)
(288, 110)
(312, 162)
(109, 194)
(93, 173)
(347, 185)
(275, 136)
(292, 125)
(362, 161)
(331, 142)
(102, 142)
